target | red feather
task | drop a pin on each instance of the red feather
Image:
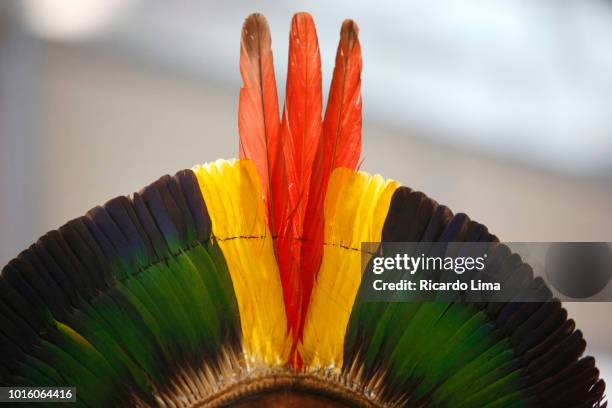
(340, 146)
(300, 135)
(258, 121)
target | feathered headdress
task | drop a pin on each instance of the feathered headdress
(237, 282)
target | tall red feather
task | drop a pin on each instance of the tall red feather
(340, 146)
(258, 120)
(300, 135)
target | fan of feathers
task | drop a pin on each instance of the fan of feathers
(236, 283)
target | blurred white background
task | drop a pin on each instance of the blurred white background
(502, 110)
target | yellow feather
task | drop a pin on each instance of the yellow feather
(356, 206)
(232, 192)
